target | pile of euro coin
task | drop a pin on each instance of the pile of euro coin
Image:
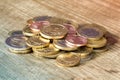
(61, 39)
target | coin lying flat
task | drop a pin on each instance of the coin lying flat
(75, 40)
(49, 52)
(20, 51)
(61, 44)
(27, 31)
(100, 50)
(37, 42)
(68, 60)
(90, 31)
(54, 31)
(35, 27)
(16, 42)
(83, 52)
(15, 33)
(97, 43)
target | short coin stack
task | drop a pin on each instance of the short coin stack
(60, 39)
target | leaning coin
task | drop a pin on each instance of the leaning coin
(90, 31)
(76, 40)
(54, 31)
(15, 33)
(100, 50)
(83, 51)
(97, 43)
(16, 42)
(48, 52)
(68, 60)
(37, 42)
(27, 31)
(61, 44)
(20, 51)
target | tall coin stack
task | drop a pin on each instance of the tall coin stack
(51, 37)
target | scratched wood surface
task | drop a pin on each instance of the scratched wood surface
(13, 16)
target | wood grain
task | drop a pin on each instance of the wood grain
(13, 16)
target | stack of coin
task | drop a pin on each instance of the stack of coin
(52, 37)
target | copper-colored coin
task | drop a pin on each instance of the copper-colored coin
(17, 43)
(90, 31)
(35, 27)
(70, 28)
(61, 44)
(84, 51)
(48, 52)
(27, 31)
(97, 43)
(100, 50)
(68, 60)
(75, 40)
(37, 42)
(54, 31)
(20, 51)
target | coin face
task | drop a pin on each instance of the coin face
(97, 43)
(15, 33)
(16, 42)
(61, 44)
(76, 40)
(90, 31)
(35, 27)
(54, 31)
(68, 60)
(27, 31)
(37, 42)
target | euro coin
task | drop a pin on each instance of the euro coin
(70, 28)
(15, 33)
(61, 44)
(17, 42)
(41, 18)
(20, 51)
(76, 40)
(48, 52)
(90, 31)
(83, 51)
(68, 60)
(53, 31)
(37, 42)
(97, 43)
(27, 31)
(35, 27)
(100, 50)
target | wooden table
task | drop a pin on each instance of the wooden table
(13, 16)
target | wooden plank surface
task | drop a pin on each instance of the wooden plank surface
(13, 16)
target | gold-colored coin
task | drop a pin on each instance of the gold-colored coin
(68, 60)
(37, 42)
(100, 50)
(84, 51)
(91, 31)
(61, 44)
(20, 51)
(27, 31)
(54, 31)
(97, 43)
(49, 52)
